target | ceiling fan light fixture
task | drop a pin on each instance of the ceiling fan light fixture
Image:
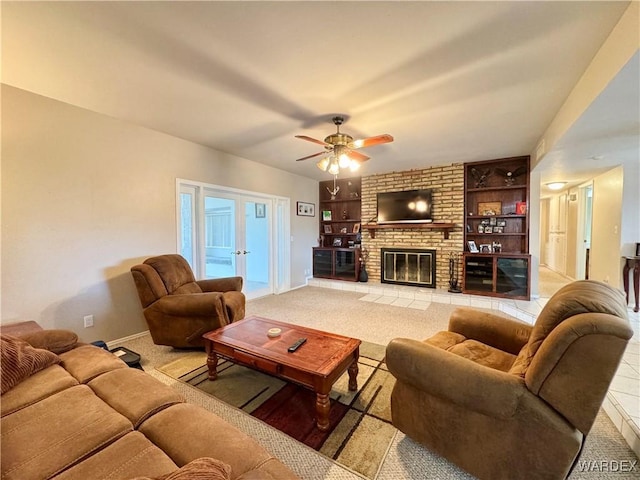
(334, 167)
(323, 164)
(340, 149)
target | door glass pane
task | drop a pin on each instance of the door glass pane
(257, 246)
(219, 237)
(187, 211)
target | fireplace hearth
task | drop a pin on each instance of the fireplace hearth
(403, 266)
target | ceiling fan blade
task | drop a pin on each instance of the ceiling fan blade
(309, 139)
(360, 157)
(310, 156)
(369, 142)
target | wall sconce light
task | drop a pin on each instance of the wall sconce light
(556, 185)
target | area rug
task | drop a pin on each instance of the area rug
(360, 429)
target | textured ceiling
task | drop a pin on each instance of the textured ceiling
(451, 81)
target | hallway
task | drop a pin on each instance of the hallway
(549, 282)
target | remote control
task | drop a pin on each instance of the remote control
(296, 345)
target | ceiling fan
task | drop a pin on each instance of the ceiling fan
(340, 149)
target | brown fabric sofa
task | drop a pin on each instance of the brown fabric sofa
(178, 308)
(91, 417)
(505, 400)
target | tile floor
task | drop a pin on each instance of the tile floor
(622, 403)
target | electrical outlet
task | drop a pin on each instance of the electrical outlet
(88, 321)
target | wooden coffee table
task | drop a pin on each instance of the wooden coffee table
(317, 364)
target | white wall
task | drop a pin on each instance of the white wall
(604, 256)
(86, 196)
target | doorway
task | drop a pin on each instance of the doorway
(585, 214)
(225, 232)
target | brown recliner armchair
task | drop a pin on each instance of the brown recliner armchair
(506, 400)
(178, 308)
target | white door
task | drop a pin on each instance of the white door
(225, 232)
(237, 240)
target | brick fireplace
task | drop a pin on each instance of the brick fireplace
(447, 184)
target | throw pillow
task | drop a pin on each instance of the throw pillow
(19, 360)
(56, 341)
(199, 469)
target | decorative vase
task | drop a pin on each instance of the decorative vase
(364, 276)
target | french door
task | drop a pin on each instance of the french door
(225, 232)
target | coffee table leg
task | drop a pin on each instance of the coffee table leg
(212, 362)
(353, 374)
(322, 411)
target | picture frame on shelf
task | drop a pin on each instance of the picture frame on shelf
(471, 245)
(521, 208)
(481, 228)
(496, 247)
(485, 248)
(337, 242)
(493, 221)
(305, 209)
(327, 229)
(497, 229)
(502, 223)
(356, 228)
(326, 215)
(261, 210)
(488, 229)
(489, 208)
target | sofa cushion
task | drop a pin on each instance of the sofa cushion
(134, 393)
(33, 389)
(49, 436)
(473, 350)
(198, 469)
(56, 341)
(19, 360)
(87, 362)
(128, 457)
(186, 432)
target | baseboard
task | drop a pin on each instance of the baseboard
(118, 341)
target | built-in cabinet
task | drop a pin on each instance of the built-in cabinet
(336, 263)
(496, 197)
(338, 255)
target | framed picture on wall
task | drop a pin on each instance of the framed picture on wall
(306, 209)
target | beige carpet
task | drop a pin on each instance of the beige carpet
(342, 313)
(361, 429)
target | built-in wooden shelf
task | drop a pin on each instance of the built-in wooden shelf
(445, 227)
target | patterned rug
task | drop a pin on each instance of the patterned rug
(360, 430)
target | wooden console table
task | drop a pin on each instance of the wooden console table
(632, 263)
(445, 227)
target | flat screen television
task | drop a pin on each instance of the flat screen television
(409, 206)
